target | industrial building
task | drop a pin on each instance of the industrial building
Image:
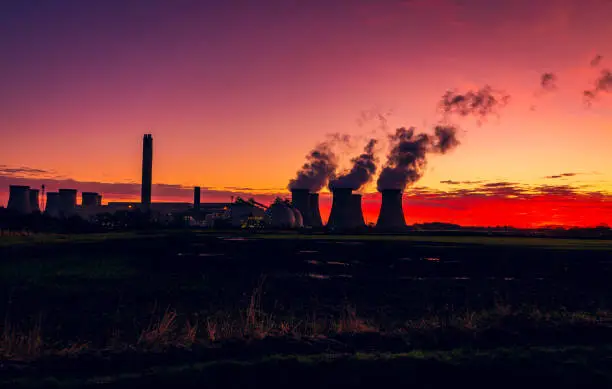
(301, 211)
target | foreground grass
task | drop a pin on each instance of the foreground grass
(515, 242)
(503, 367)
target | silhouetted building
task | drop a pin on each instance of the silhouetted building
(67, 202)
(147, 170)
(391, 213)
(313, 208)
(90, 199)
(196, 198)
(340, 216)
(19, 199)
(53, 204)
(34, 201)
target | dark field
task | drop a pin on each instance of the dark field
(224, 309)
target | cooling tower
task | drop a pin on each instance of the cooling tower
(67, 202)
(391, 213)
(340, 216)
(313, 208)
(33, 198)
(53, 204)
(356, 213)
(300, 200)
(196, 198)
(19, 199)
(90, 199)
(147, 170)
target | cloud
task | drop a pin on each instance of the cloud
(562, 175)
(596, 61)
(24, 171)
(451, 182)
(548, 82)
(603, 84)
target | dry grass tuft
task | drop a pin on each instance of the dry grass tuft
(160, 333)
(19, 345)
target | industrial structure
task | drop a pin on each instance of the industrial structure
(346, 213)
(147, 171)
(19, 199)
(308, 205)
(391, 212)
(301, 211)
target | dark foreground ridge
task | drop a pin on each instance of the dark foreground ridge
(224, 309)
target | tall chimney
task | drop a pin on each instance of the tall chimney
(19, 199)
(33, 198)
(356, 213)
(53, 204)
(340, 216)
(300, 200)
(313, 207)
(147, 170)
(196, 198)
(391, 213)
(67, 201)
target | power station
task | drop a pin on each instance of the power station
(301, 211)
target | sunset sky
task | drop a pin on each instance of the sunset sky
(236, 93)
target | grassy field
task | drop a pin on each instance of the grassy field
(188, 308)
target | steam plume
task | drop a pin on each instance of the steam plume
(321, 164)
(407, 158)
(479, 103)
(364, 167)
(602, 84)
(596, 61)
(548, 81)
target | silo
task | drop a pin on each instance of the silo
(280, 215)
(53, 204)
(356, 213)
(300, 200)
(67, 202)
(340, 216)
(19, 199)
(90, 199)
(391, 212)
(34, 202)
(313, 207)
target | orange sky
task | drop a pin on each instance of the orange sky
(235, 95)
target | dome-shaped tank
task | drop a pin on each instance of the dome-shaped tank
(280, 215)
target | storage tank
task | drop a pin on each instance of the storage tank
(19, 199)
(299, 220)
(67, 201)
(280, 215)
(34, 201)
(53, 204)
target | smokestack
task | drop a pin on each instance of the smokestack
(340, 216)
(300, 200)
(53, 204)
(147, 170)
(196, 198)
(67, 201)
(391, 213)
(90, 199)
(34, 202)
(356, 213)
(19, 199)
(313, 207)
